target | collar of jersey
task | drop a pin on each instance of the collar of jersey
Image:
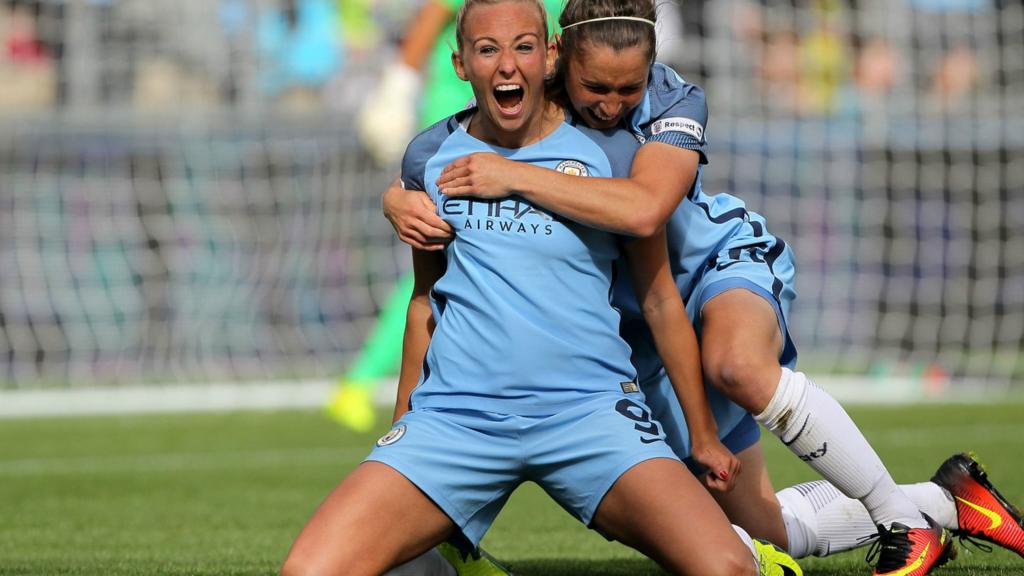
(459, 121)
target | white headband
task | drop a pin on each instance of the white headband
(633, 18)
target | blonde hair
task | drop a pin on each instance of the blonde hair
(460, 16)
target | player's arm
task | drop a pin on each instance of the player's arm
(427, 267)
(422, 34)
(676, 343)
(661, 176)
(414, 217)
(387, 119)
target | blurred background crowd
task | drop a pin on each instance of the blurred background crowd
(806, 58)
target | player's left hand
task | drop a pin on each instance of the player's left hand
(414, 217)
(722, 467)
(482, 175)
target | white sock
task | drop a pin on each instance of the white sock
(749, 542)
(817, 429)
(933, 500)
(431, 563)
(821, 521)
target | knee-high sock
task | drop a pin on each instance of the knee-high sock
(821, 521)
(431, 563)
(817, 429)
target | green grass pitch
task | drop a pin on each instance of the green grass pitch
(225, 494)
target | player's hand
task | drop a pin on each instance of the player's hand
(482, 175)
(387, 120)
(414, 218)
(722, 467)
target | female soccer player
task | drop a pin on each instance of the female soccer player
(737, 279)
(513, 341)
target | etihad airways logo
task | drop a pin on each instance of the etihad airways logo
(512, 215)
(501, 215)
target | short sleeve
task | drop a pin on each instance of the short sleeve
(678, 112)
(422, 148)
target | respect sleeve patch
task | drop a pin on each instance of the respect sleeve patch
(684, 125)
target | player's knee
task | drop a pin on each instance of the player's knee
(307, 564)
(298, 565)
(739, 563)
(743, 378)
(723, 563)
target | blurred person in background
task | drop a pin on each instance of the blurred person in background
(301, 51)
(946, 50)
(26, 65)
(823, 59)
(876, 70)
(416, 90)
(800, 54)
(357, 22)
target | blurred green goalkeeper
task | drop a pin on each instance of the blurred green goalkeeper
(402, 105)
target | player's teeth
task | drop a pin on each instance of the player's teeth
(507, 87)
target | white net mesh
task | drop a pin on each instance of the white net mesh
(882, 140)
(165, 215)
(133, 257)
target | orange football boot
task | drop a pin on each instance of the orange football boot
(981, 511)
(903, 551)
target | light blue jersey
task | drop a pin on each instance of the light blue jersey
(524, 319)
(526, 376)
(675, 112)
(714, 243)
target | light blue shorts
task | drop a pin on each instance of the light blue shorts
(469, 462)
(769, 275)
(736, 427)
(770, 278)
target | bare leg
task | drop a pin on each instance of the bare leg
(752, 504)
(655, 507)
(742, 363)
(353, 532)
(740, 346)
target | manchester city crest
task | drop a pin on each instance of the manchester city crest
(572, 168)
(391, 437)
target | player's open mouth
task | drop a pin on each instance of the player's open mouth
(601, 118)
(509, 98)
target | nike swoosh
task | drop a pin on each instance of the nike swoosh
(787, 571)
(994, 518)
(649, 440)
(917, 563)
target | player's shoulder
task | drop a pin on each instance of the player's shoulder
(667, 88)
(425, 145)
(431, 138)
(617, 147)
(611, 140)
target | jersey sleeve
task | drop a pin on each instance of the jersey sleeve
(413, 167)
(678, 112)
(422, 148)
